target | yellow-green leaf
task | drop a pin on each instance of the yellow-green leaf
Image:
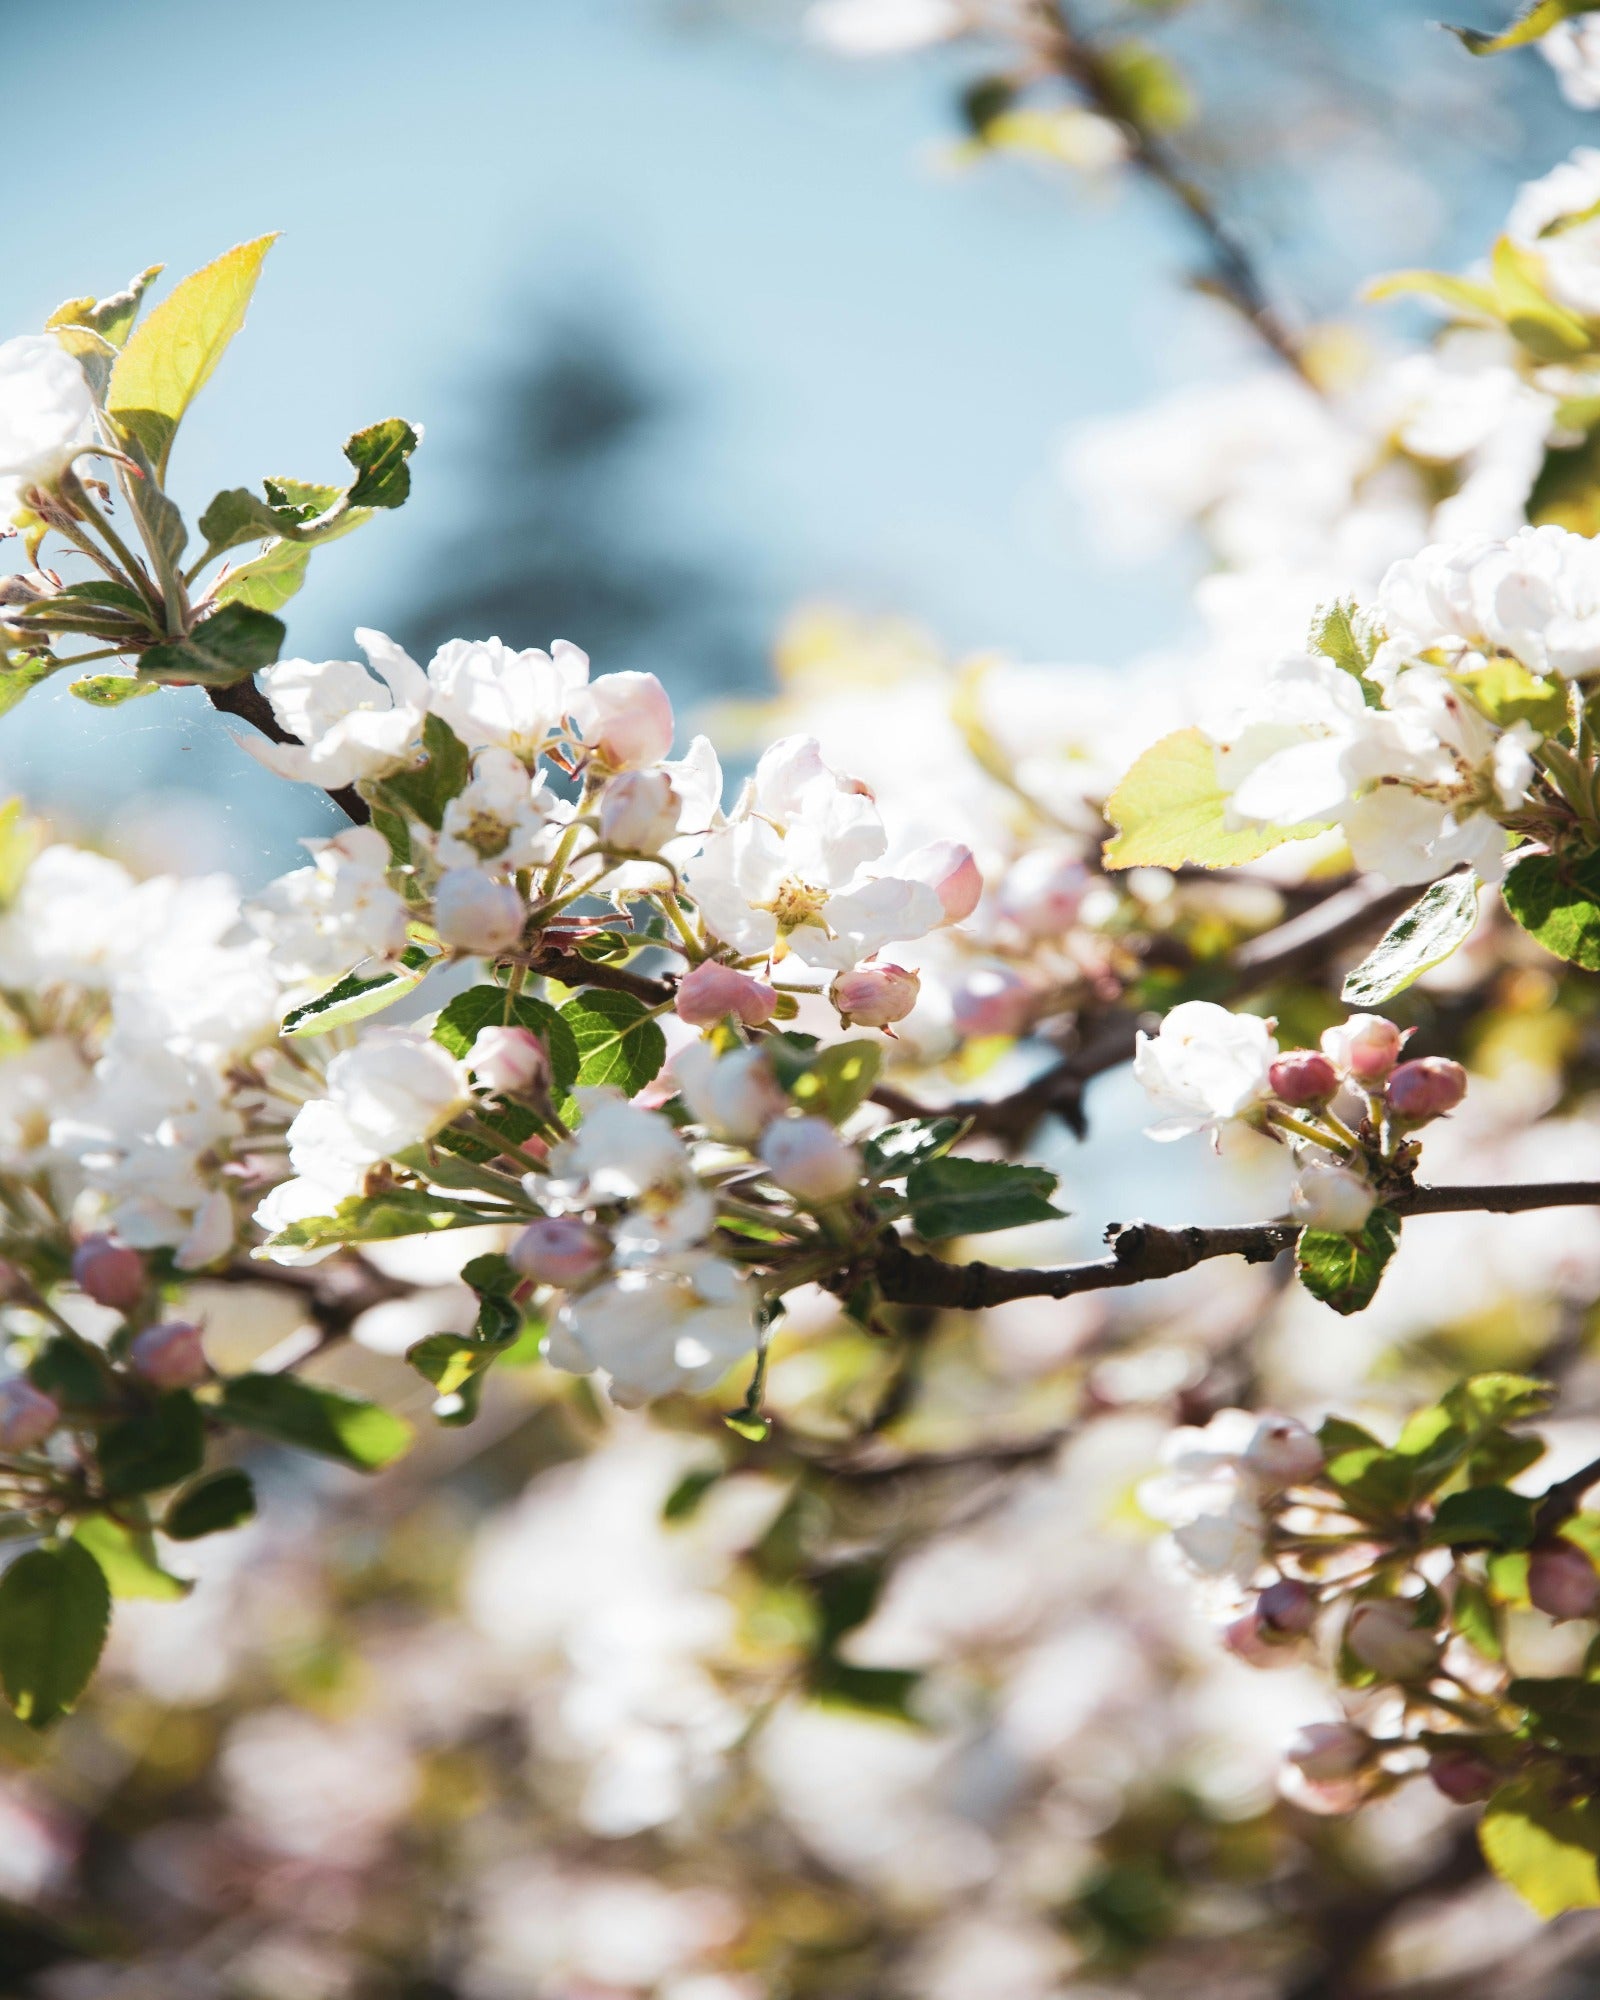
(1170, 811)
(1531, 25)
(1548, 331)
(1545, 1851)
(170, 355)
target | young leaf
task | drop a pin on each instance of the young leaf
(1531, 25)
(109, 690)
(1548, 331)
(270, 581)
(158, 1447)
(316, 1418)
(1170, 811)
(1545, 1851)
(617, 1042)
(129, 1560)
(19, 672)
(1557, 902)
(55, 1608)
(1343, 1271)
(1342, 635)
(376, 1218)
(379, 454)
(831, 1082)
(460, 1024)
(1462, 295)
(1424, 936)
(230, 645)
(224, 1500)
(427, 790)
(353, 998)
(170, 357)
(959, 1197)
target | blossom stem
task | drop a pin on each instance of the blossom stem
(1285, 1121)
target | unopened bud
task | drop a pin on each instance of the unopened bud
(1282, 1452)
(627, 718)
(709, 993)
(509, 1062)
(808, 1158)
(27, 1414)
(1287, 1607)
(474, 912)
(639, 812)
(734, 1095)
(1304, 1080)
(1332, 1199)
(1419, 1091)
(1383, 1634)
(560, 1250)
(874, 996)
(170, 1355)
(1463, 1778)
(1366, 1046)
(1562, 1581)
(992, 1000)
(1323, 1751)
(951, 872)
(108, 1272)
(1042, 891)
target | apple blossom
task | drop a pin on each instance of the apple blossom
(319, 922)
(1463, 1778)
(474, 912)
(109, 1272)
(169, 1355)
(639, 812)
(493, 697)
(46, 415)
(1303, 1079)
(1366, 1046)
(27, 1415)
(1326, 1750)
(347, 723)
(807, 1157)
(502, 815)
(1572, 49)
(1043, 890)
(1205, 1068)
(678, 1326)
(735, 1095)
(1331, 1198)
(1562, 1581)
(709, 992)
(874, 996)
(1287, 1607)
(626, 719)
(560, 1250)
(883, 27)
(1425, 1089)
(993, 1000)
(952, 873)
(509, 1062)
(1383, 1634)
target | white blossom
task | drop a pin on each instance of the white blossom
(46, 415)
(495, 698)
(1572, 49)
(883, 27)
(1570, 255)
(678, 1325)
(1206, 1067)
(349, 724)
(321, 921)
(502, 815)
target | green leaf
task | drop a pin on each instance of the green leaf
(1343, 1271)
(237, 515)
(157, 1447)
(62, 1369)
(428, 789)
(1529, 26)
(1465, 296)
(379, 454)
(885, 1691)
(54, 1612)
(169, 358)
(353, 998)
(110, 690)
(898, 1148)
(1545, 1851)
(230, 645)
(129, 1560)
(617, 1041)
(1475, 1617)
(480, 1007)
(1563, 1712)
(18, 673)
(684, 1500)
(316, 1418)
(111, 318)
(1465, 1423)
(268, 582)
(301, 499)
(1548, 331)
(958, 1197)
(223, 1500)
(1342, 634)
(1424, 936)
(1170, 812)
(1556, 900)
(1507, 693)
(1365, 1473)
(830, 1082)
(1144, 87)
(377, 1218)
(1483, 1517)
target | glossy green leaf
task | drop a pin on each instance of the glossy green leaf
(1344, 1271)
(618, 1043)
(222, 1500)
(170, 357)
(830, 1082)
(377, 1218)
(1556, 900)
(379, 454)
(1483, 1517)
(1548, 331)
(898, 1148)
(1426, 935)
(232, 644)
(55, 1609)
(959, 1197)
(1171, 812)
(355, 996)
(316, 1418)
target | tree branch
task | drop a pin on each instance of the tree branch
(1306, 941)
(245, 700)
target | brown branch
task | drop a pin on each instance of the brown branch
(573, 969)
(245, 700)
(1057, 1090)
(1305, 942)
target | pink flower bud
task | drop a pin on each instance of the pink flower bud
(1427, 1089)
(560, 1250)
(873, 996)
(1332, 1199)
(709, 993)
(1562, 1581)
(1251, 1639)
(1383, 1635)
(509, 1062)
(27, 1414)
(1304, 1080)
(1282, 1452)
(639, 812)
(1463, 1778)
(474, 912)
(627, 718)
(1323, 1751)
(992, 1000)
(808, 1158)
(170, 1356)
(951, 873)
(1042, 890)
(1287, 1607)
(1366, 1046)
(109, 1272)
